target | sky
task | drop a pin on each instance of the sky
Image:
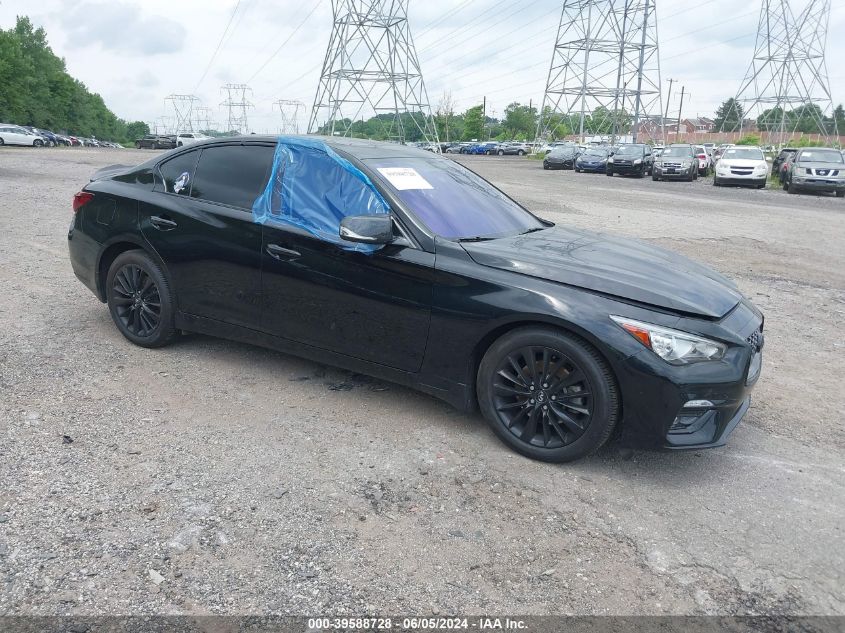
(135, 53)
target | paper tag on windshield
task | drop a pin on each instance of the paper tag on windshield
(404, 178)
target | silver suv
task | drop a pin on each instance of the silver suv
(817, 169)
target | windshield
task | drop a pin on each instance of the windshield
(629, 150)
(452, 201)
(677, 151)
(820, 156)
(562, 151)
(745, 153)
(596, 152)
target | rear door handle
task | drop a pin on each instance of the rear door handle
(277, 252)
(162, 224)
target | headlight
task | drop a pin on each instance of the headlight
(673, 346)
(639, 161)
(610, 160)
(685, 164)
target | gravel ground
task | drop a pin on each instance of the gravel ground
(218, 478)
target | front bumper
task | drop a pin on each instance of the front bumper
(591, 167)
(564, 164)
(730, 178)
(692, 406)
(627, 170)
(660, 172)
(819, 184)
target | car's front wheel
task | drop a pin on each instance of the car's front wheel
(547, 394)
(140, 300)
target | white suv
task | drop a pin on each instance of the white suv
(742, 166)
(188, 138)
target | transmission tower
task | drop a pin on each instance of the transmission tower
(183, 106)
(371, 68)
(202, 119)
(787, 80)
(290, 115)
(604, 77)
(237, 104)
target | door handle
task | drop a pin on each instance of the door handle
(162, 224)
(277, 252)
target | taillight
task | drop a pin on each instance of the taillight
(81, 199)
(702, 156)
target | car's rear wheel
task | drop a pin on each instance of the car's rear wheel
(140, 300)
(547, 394)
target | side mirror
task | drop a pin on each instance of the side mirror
(367, 229)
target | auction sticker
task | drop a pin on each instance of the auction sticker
(404, 178)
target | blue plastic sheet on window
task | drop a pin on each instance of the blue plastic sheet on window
(312, 188)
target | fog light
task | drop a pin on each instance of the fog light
(698, 404)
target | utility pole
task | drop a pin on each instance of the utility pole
(680, 110)
(371, 68)
(606, 53)
(290, 115)
(237, 105)
(788, 70)
(666, 115)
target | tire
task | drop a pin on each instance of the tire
(785, 185)
(520, 153)
(178, 144)
(716, 182)
(609, 173)
(545, 166)
(37, 143)
(840, 194)
(577, 171)
(501, 153)
(790, 188)
(132, 302)
(2, 142)
(582, 424)
(137, 145)
(654, 177)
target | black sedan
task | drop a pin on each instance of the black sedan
(561, 158)
(156, 141)
(388, 260)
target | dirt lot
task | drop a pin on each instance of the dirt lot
(212, 477)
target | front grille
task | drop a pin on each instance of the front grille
(823, 172)
(755, 340)
(671, 165)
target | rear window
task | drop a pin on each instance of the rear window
(234, 175)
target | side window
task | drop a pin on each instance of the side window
(179, 172)
(233, 174)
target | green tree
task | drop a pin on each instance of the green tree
(474, 124)
(728, 115)
(36, 89)
(520, 121)
(136, 130)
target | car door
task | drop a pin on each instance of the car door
(202, 227)
(370, 306)
(16, 136)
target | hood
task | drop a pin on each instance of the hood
(624, 268)
(742, 162)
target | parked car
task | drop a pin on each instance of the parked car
(785, 165)
(156, 141)
(705, 162)
(635, 159)
(779, 160)
(593, 159)
(512, 149)
(15, 135)
(742, 166)
(74, 141)
(817, 170)
(456, 148)
(562, 157)
(481, 148)
(677, 161)
(637, 337)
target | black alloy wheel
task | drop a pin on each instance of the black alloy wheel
(547, 394)
(140, 300)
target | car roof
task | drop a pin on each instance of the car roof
(362, 149)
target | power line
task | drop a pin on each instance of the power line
(288, 39)
(219, 44)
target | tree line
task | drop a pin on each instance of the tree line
(38, 91)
